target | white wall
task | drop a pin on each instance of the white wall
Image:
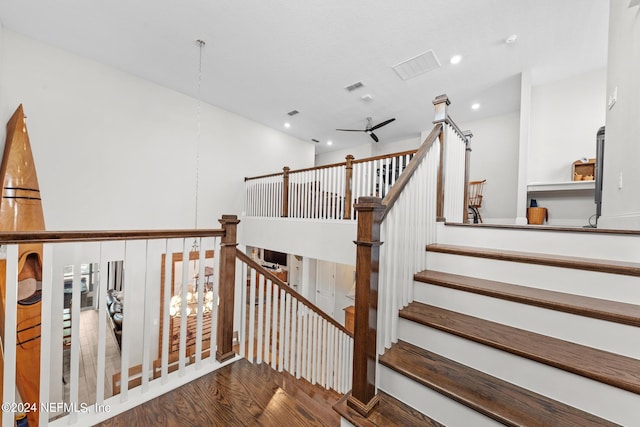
(116, 152)
(621, 206)
(113, 151)
(565, 117)
(345, 275)
(494, 157)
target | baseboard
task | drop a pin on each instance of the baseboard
(620, 222)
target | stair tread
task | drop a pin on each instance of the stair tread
(580, 263)
(493, 397)
(613, 311)
(389, 412)
(609, 368)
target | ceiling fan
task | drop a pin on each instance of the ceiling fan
(369, 128)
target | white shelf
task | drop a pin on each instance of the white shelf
(561, 186)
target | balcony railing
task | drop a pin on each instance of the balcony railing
(324, 192)
(159, 304)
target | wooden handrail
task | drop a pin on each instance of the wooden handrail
(411, 168)
(275, 279)
(385, 156)
(19, 237)
(366, 159)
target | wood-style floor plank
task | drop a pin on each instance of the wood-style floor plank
(235, 395)
(578, 263)
(389, 412)
(609, 368)
(495, 398)
(612, 311)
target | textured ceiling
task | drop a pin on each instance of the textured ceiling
(264, 58)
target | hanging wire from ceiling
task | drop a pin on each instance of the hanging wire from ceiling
(201, 44)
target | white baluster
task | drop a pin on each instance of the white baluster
(282, 338)
(267, 322)
(288, 329)
(260, 345)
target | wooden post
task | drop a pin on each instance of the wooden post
(285, 191)
(227, 280)
(467, 164)
(363, 393)
(347, 186)
(441, 102)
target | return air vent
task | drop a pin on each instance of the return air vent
(352, 87)
(417, 65)
(293, 112)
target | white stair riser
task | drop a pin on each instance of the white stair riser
(581, 244)
(591, 396)
(431, 403)
(594, 284)
(609, 336)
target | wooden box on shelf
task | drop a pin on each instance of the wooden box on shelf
(349, 317)
(583, 171)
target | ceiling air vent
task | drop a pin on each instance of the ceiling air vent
(315, 140)
(352, 87)
(293, 112)
(417, 65)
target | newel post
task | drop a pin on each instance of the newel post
(441, 102)
(285, 191)
(227, 280)
(363, 393)
(348, 178)
(467, 166)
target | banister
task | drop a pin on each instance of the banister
(18, 237)
(385, 156)
(332, 165)
(404, 178)
(283, 286)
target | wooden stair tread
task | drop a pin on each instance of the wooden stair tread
(613, 311)
(579, 263)
(389, 412)
(495, 398)
(599, 365)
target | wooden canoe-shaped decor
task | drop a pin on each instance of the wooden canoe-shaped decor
(21, 210)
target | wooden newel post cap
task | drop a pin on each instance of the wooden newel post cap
(440, 104)
(349, 158)
(365, 203)
(286, 170)
(440, 99)
(229, 219)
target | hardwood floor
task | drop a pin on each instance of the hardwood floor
(240, 394)
(89, 359)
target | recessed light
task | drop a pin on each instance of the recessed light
(511, 39)
(287, 125)
(329, 142)
(475, 106)
(456, 59)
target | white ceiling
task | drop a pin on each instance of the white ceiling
(264, 58)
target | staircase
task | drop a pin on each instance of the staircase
(533, 326)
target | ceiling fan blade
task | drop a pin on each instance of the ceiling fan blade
(379, 125)
(352, 130)
(373, 136)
